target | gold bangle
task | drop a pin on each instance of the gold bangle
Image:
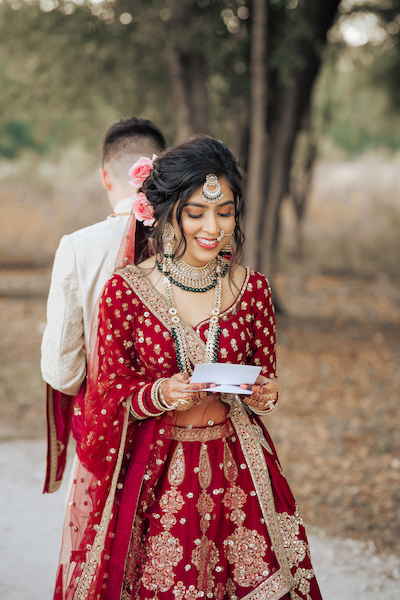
(140, 402)
(156, 394)
(162, 393)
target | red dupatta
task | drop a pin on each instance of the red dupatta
(60, 415)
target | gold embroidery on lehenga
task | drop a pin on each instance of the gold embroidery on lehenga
(205, 556)
(180, 592)
(302, 577)
(231, 589)
(132, 561)
(164, 551)
(234, 499)
(230, 467)
(296, 548)
(176, 469)
(205, 473)
(200, 434)
(171, 502)
(244, 550)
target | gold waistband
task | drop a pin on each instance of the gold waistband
(200, 434)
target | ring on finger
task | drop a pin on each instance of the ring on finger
(181, 402)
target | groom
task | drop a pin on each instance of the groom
(83, 262)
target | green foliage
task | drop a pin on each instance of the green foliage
(74, 68)
(73, 74)
(386, 75)
(349, 108)
(16, 135)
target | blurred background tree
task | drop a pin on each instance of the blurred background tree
(68, 69)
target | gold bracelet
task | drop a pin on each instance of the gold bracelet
(156, 394)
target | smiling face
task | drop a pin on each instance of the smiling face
(202, 223)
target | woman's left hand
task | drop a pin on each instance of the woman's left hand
(265, 393)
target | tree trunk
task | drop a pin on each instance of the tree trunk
(291, 104)
(258, 134)
(300, 184)
(195, 77)
(188, 74)
(282, 140)
(179, 101)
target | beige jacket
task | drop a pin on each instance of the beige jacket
(83, 262)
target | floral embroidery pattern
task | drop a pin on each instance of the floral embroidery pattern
(205, 558)
(181, 592)
(245, 550)
(302, 577)
(164, 553)
(200, 435)
(296, 548)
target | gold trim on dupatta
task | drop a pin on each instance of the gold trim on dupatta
(95, 554)
(282, 581)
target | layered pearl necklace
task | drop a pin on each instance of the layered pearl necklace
(188, 278)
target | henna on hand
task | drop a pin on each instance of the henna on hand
(181, 400)
(264, 396)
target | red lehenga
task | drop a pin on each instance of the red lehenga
(174, 513)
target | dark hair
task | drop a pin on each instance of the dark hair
(180, 171)
(127, 130)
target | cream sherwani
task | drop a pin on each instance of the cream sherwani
(84, 261)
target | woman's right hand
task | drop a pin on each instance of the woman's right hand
(179, 393)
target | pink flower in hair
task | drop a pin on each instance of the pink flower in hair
(143, 210)
(141, 169)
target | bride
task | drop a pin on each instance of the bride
(179, 493)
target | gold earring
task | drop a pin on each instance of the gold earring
(226, 251)
(168, 236)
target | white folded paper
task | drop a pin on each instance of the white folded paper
(226, 376)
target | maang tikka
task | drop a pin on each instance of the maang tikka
(212, 189)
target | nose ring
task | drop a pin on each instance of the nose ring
(221, 236)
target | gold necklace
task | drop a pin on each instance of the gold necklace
(192, 279)
(212, 344)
